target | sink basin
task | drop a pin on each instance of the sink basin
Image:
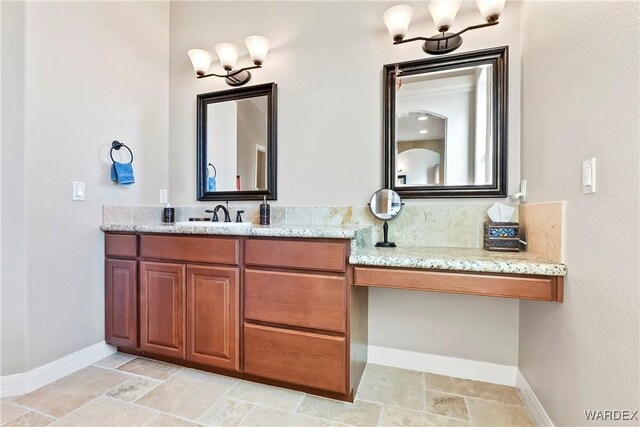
(213, 224)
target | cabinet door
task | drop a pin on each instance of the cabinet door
(121, 303)
(213, 308)
(162, 305)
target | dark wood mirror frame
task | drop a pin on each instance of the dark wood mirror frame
(204, 99)
(498, 57)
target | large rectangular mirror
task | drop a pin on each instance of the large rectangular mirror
(446, 125)
(236, 149)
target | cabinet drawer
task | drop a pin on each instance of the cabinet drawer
(121, 245)
(305, 255)
(213, 250)
(303, 358)
(306, 300)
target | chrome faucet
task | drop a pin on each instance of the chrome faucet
(227, 218)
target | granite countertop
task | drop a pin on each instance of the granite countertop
(302, 231)
(457, 259)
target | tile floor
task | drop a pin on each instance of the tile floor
(122, 390)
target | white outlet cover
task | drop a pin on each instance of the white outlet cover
(164, 198)
(78, 191)
(589, 176)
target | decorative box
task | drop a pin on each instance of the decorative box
(501, 236)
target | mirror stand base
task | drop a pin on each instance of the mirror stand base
(385, 243)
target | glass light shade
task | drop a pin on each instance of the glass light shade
(228, 55)
(397, 20)
(258, 47)
(490, 9)
(444, 13)
(201, 60)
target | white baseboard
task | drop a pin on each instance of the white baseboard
(531, 402)
(442, 365)
(25, 382)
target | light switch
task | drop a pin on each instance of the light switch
(163, 196)
(589, 176)
(78, 190)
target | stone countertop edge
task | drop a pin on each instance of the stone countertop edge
(300, 231)
(457, 259)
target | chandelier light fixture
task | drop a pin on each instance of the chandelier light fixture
(443, 12)
(228, 53)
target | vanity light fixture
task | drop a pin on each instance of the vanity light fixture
(228, 53)
(443, 12)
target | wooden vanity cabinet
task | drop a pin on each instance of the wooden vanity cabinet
(121, 302)
(297, 314)
(162, 308)
(275, 310)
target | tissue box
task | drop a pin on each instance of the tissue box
(501, 236)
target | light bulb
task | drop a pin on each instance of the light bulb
(258, 47)
(201, 60)
(228, 55)
(490, 9)
(397, 20)
(444, 13)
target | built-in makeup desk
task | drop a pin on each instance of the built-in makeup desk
(459, 270)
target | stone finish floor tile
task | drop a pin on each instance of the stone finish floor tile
(447, 405)
(115, 360)
(162, 420)
(268, 417)
(63, 396)
(226, 413)
(133, 389)
(497, 392)
(105, 411)
(149, 368)
(30, 419)
(392, 386)
(188, 394)
(265, 395)
(9, 411)
(106, 394)
(394, 416)
(488, 413)
(359, 413)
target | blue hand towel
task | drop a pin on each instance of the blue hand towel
(122, 173)
(211, 183)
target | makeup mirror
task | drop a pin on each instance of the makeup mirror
(385, 205)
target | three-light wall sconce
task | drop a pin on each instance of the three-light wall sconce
(443, 12)
(228, 53)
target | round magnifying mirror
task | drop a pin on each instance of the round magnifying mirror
(385, 205)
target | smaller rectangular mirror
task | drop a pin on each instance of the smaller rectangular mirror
(446, 125)
(236, 149)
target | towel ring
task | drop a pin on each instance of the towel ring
(215, 172)
(115, 145)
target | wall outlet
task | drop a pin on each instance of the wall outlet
(78, 191)
(589, 176)
(164, 198)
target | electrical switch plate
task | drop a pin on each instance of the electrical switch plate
(523, 190)
(164, 198)
(78, 191)
(589, 176)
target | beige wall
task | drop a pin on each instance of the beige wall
(580, 100)
(327, 59)
(92, 72)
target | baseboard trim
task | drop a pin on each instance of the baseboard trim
(26, 382)
(443, 365)
(531, 402)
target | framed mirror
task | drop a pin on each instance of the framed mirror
(445, 125)
(236, 144)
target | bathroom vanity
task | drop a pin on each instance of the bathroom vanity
(282, 305)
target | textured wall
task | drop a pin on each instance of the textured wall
(92, 72)
(580, 100)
